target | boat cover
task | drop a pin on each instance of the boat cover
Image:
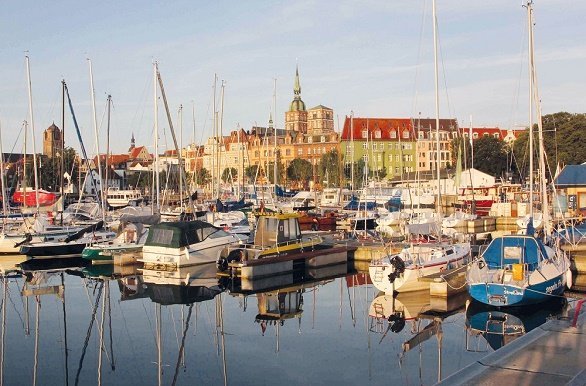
(179, 234)
(514, 249)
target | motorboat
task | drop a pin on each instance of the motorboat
(185, 243)
(119, 198)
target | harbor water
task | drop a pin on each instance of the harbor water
(320, 327)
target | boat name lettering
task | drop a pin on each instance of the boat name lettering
(514, 292)
(553, 287)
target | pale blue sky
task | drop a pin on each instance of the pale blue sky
(372, 57)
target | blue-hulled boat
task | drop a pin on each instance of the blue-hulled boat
(518, 270)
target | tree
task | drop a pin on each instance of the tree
(358, 174)
(229, 174)
(329, 166)
(280, 169)
(203, 177)
(563, 136)
(491, 154)
(300, 170)
(251, 172)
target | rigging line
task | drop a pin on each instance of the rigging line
(88, 335)
(182, 347)
(418, 66)
(515, 104)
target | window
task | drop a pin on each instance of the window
(496, 135)
(287, 151)
(474, 135)
(397, 157)
(485, 135)
(299, 151)
(406, 134)
(374, 147)
(393, 134)
(348, 149)
(365, 145)
(377, 134)
(364, 133)
(323, 138)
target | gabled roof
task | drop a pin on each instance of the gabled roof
(136, 151)
(373, 125)
(113, 159)
(572, 175)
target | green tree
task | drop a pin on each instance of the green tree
(203, 177)
(358, 174)
(251, 172)
(491, 155)
(229, 174)
(330, 165)
(563, 137)
(300, 170)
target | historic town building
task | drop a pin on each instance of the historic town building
(52, 141)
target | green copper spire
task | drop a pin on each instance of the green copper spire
(297, 104)
(297, 85)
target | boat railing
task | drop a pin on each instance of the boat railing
(310, 242)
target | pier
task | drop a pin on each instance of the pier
(549, 355)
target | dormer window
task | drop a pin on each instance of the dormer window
(393, 134)
(406, 134)
(364, 133)
(377, 134)
(474, 135)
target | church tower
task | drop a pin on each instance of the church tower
(132, 143)
(52, 141)
(296, 117)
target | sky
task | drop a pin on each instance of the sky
(374, 58)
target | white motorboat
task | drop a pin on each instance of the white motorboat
(180, 244)
(457, 219)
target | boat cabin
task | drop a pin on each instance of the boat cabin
(276, 229)
(182, 234)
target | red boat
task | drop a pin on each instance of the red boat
(45, 198)
(313, 222)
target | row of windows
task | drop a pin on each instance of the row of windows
(381, 146)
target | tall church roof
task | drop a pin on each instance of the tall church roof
(297, 104)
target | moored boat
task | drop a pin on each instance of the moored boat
(401, 272)
(185, 243)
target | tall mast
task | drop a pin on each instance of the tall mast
(62, 168)
(542, 154)
(352, 150)
(215, 141)
(156, 107)
(24, 182)
(275, 133)
(437, 112)
(221, 136)
(180, 156)
(2, 170)
(32, 121)
(95, 121)
(530, 63)
(108, 145)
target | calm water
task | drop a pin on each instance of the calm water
(316, 327)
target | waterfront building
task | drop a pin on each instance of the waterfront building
(392, 147)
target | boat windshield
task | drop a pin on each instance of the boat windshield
(509, 250)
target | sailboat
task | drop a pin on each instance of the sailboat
(519, 270)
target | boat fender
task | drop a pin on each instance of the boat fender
(398, 322)
(569, 279)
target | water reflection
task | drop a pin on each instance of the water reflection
(77, 324)
(501, 326)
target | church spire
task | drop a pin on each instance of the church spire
(297, 104)
(297, 85)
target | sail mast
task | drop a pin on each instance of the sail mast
(32, 121)
(108, 145)
(181, 169)
(156, 139)
(275, 133)
(542, 154)
(437, 111)
(62, 168)
(2, 171)
(100, 192)
(530, 63)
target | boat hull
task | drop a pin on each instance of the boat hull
(502, 295)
